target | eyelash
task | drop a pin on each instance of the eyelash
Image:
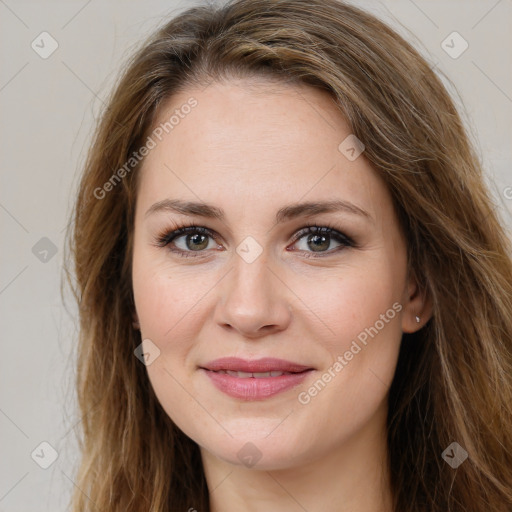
(168, 236)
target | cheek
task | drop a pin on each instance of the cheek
(360, 313)
(346, 302)
(167, 301)
(167, 307)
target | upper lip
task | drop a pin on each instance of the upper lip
(265, 364)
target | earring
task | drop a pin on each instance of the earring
(418, 319)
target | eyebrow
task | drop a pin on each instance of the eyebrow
(285, 213)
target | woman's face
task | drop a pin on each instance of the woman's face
(269, 161)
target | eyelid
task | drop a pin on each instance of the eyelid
(167, 236)
(323, 229)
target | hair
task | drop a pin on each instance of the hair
(453, 381)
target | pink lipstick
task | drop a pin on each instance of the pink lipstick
(255, 379)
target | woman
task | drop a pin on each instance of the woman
(294, 291)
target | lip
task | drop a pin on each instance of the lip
(265, 364)
(255, 388)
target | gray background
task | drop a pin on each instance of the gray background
(49, 107)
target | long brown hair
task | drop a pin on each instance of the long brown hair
(453, 381)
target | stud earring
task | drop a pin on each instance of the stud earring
(418, 319)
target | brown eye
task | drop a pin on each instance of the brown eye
(320, 240)
(187, 240)
(196, 242)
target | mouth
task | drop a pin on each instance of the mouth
(256, 379)
(255, 366)
(256, 375)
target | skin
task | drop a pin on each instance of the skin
(251, 147)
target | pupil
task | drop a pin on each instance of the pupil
(197, 239)
(323, 242)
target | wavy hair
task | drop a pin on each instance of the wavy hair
(453, 381)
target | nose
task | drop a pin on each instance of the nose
(253, 301)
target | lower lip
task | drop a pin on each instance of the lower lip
(251, 388)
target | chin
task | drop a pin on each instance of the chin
(254, 448)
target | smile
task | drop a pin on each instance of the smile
(254, 379)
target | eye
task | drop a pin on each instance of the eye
(193, 240)
(187, 240)
(318, 240)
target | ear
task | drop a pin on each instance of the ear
(417, 305)
(135, 321)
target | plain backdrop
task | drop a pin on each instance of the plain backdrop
(49, 107)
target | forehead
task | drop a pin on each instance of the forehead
(260, 140)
